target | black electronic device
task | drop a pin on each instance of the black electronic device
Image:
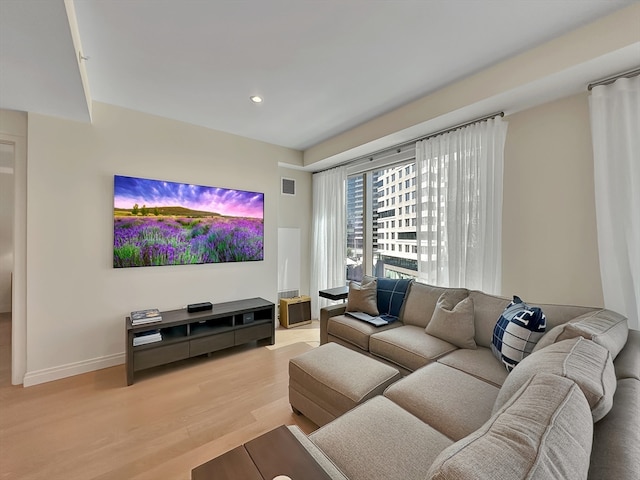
(199, 307)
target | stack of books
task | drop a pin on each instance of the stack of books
(142, 317)
(150, 336)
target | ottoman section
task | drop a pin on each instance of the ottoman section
(331, 379)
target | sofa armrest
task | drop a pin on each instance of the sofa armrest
(325, 314)
(318, 455)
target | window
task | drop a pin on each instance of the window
(396, 256)
(355, 222)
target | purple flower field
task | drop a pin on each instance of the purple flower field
(168, 240)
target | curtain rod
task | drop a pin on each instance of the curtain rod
(397, 147)
(609, 80)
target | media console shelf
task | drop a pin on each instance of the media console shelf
(186, 335)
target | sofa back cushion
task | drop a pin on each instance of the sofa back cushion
(605, 327)
(543, 431)
(587, 364)
(488, 309)
(421, 303)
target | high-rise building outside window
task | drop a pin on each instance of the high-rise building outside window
(393, 218)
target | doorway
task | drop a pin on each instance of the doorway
(7, 167)
(13, 258)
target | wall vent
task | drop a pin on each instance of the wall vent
(288, 186)
(286, 294)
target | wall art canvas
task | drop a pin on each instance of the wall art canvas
(158, 222)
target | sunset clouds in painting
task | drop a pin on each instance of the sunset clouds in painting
(129, 191)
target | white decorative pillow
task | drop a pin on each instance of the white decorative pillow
(453, 319)
(363, 298)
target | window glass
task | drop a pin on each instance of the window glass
(397, 254)
(355, 225)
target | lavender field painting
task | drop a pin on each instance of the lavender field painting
(168, 223)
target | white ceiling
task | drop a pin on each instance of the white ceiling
(323, 67)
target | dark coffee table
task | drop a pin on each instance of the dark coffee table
(277, 452)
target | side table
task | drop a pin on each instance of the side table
(337, 293)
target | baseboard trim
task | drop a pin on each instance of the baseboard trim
(69, 370)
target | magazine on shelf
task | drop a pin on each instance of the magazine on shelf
(150, 336)
(150, 315)
(378, 321)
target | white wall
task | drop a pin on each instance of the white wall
(549, 240)
(295, 211)
(13, 131)
(493, 88)
(76, 300)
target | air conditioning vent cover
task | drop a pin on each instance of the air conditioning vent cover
(288, 186)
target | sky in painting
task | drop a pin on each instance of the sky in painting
(156, 193)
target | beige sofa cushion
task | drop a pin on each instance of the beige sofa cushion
(363, 298)
(449, 400)
(583, 361)
(420, 303)
(616, 438)
(408, 346)
(481, 363)
(606, 328)
(379, 439)
(353, 331)
(627, 363)
(453, 319)
(544, 431)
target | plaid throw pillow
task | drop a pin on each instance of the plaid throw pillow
(516, 332)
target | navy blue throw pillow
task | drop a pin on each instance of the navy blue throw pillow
(391, 295)
(516, 332)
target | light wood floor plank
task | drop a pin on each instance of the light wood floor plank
(174, 418)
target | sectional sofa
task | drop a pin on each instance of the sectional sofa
(569, 410)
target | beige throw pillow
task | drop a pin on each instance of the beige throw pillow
(453, 319)
(363, 297)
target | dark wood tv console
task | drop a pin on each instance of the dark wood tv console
(186, 335)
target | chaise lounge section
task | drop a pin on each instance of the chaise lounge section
(570, 409)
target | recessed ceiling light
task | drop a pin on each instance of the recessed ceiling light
(256, 99)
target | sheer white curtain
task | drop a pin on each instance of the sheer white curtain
(615, 129)
(329, 234)
(460, 207)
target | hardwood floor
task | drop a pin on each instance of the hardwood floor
(174, 418)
